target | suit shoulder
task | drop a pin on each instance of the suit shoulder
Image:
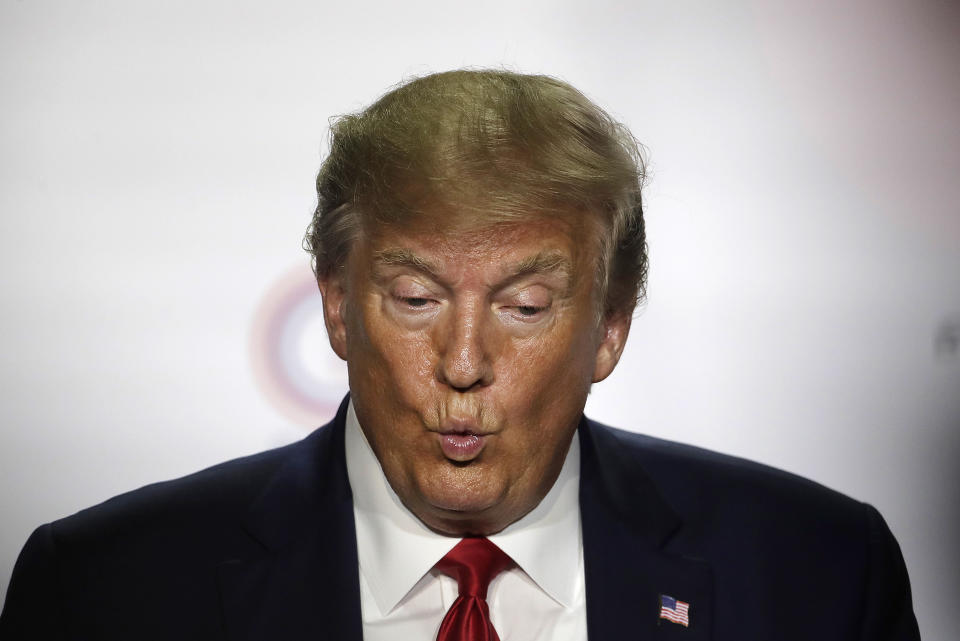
(217, 494)
(691, 474)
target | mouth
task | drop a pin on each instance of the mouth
(461, 441)
(462, 447)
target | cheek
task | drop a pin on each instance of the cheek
(550, 371)
(397, 361)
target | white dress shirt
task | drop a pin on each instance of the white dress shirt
(402, 597)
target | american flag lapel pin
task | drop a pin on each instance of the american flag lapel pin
(674, 610)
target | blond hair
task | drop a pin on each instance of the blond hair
(490, 146)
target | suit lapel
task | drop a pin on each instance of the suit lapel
(300, 580)
(627, 528)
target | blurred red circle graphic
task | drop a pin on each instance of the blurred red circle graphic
(292, 361)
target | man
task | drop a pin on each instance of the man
(479, 244)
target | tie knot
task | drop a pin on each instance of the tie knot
(473, 563)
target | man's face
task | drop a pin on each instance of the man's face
(470, 355)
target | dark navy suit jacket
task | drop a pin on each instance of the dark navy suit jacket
(264, 548)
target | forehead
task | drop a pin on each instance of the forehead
(561, 246)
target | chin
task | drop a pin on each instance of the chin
(463, 513)
(463, 524)
(461, 503)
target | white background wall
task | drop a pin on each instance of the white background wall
(156, 168)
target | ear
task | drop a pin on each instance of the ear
(334, 306)
(614, 330)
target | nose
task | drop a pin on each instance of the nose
(465, 361)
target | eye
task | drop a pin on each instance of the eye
(529, 310)
(525, 313)
(413, 303)
(525, 304)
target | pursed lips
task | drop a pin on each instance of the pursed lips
(462, 440)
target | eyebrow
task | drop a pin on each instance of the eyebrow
(396, 257)
(543, 263)
(547, 262)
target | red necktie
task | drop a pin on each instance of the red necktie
(473, 563)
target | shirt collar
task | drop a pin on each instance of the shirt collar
(395, 549)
